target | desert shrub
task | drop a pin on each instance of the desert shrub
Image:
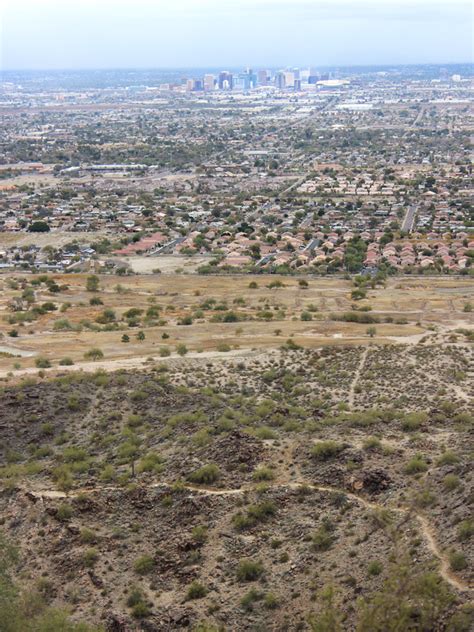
(404, 593)
(265, 433)
(206, 474)
(413, 421)
(144, 565)
(322, 539)
(324, 450)
(372, 443)
(263, 473)
(328, 618)
(151, 462)
(94, 354)
(466, 529)
(87, 536)
(73, 403)
(416, 465)
(425, 498)
(66, 361)
(63, 478)
(374, 568)
(73, 454)
(199, 534)
(108, 474)
(62, 324)
(181, 349)
(42, 363)
(457, 561)
(249, 570)
(450, 482)
(64, 512)
(271, 601)
(250, 598)
(196, 590)
(254, 515)
(448, 458)
(90, 557)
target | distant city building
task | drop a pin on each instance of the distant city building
(209, 83)
(263, 78)
(194, 85)
(280, 80)
(226, 80)
(289, 79)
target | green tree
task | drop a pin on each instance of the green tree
(94, 354)
(405, 593)
(328, 618)
(39, 227)
(92, 283)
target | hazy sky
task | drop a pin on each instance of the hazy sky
(179, 33)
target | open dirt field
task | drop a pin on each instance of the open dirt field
(215, 314)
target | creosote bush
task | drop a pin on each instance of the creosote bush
(205, 475)
(249, 570)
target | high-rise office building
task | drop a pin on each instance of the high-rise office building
(280, 79)
(226, 80)
(289, 79)
(263, 77)
(209, 83)
(247, 79)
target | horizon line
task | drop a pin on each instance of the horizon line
(263, 66)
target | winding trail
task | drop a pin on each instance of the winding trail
(356, 378)
(407, 511)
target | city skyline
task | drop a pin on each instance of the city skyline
(47, 34)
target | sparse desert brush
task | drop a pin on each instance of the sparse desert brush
(374, 568)
(466, 530)
(414, 421)
(206, 474)
(265, 433)
(151, 462)
(322, 539)
(108, 473)
(64, 512)
(249, 570)
(448, 458)
(63, 477)
(94, 354)
(196, 590)
(457, 561)
(87, 536)
(451, 482)
(144, 565)
(372, 444)
(263, 473)
(90, 557)
(254, 515)
(416, 465)
(199, 533)
(248, 600)
(67, 361)
(324, 450)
